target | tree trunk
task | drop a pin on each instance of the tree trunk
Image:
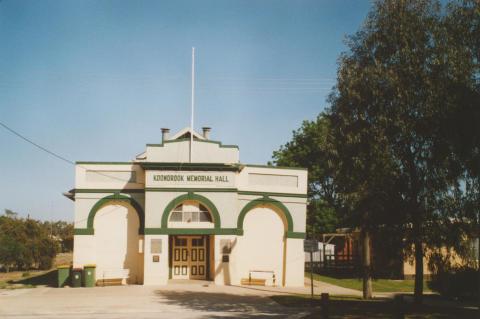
(418, 293)
(367, 273)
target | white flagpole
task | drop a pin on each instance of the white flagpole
(193, 102)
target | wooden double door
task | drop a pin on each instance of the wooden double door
(189, 257)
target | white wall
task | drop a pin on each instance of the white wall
(275, 180)
(116, 242)
(108, 176)
(84, 252)
(261, 247)
(203, 152)
(295, 263)
(156, 273)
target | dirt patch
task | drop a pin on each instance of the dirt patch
(63, 259)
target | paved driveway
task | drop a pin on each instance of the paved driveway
(177, 301)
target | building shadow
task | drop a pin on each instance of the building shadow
(48, 279)
(224, 267)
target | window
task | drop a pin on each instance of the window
(180, 241)
(190, 212)
(197, 242)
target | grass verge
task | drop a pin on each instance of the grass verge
(378, 285)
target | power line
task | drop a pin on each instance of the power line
(26, 139)
(36, 145)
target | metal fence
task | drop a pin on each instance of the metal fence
(332, 265)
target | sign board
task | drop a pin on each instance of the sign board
(193, 178)
(310, 245)
(198, 178)
(156, 246)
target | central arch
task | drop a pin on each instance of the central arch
(191, 196)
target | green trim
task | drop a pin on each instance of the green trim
(105, 163)
(175, 189)
(190, 166)
(299, 235)
(277, 167)
(181, 189)
(222, 190)
(83, 231)
(272, 194)
(113, 191)
(115, 197)
(265, 201)
(196, 140)
(172, 189)
(191, 231)
(191, 196)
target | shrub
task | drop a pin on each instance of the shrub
(461, 282)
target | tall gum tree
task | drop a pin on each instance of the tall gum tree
(398, 81)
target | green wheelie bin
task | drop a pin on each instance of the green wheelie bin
(63, 274)
(89, 275)
(77, 277)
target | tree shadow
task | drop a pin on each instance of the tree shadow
(353, 308)
(48, 279)
(226, 305)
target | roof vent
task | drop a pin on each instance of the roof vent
(206, 132)
(165, 132)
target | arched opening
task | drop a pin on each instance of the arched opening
(116, 225)
(189, 253)
(190, 201)
(260, 252)
(189, 214)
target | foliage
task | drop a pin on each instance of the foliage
(64, 232)
(461, 282)
(27, 243)
(11, 252)
(399, 147)
(397, 88)
(310, 148)
(321, 218)
(388, 257)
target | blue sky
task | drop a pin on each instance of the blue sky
(96, 80)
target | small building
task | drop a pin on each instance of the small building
(319, 256)
(188, 209)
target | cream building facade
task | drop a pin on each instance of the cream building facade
(167, 216)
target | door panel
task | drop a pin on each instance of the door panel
(180, 258)
(189, 257)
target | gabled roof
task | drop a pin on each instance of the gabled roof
(185, 133)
